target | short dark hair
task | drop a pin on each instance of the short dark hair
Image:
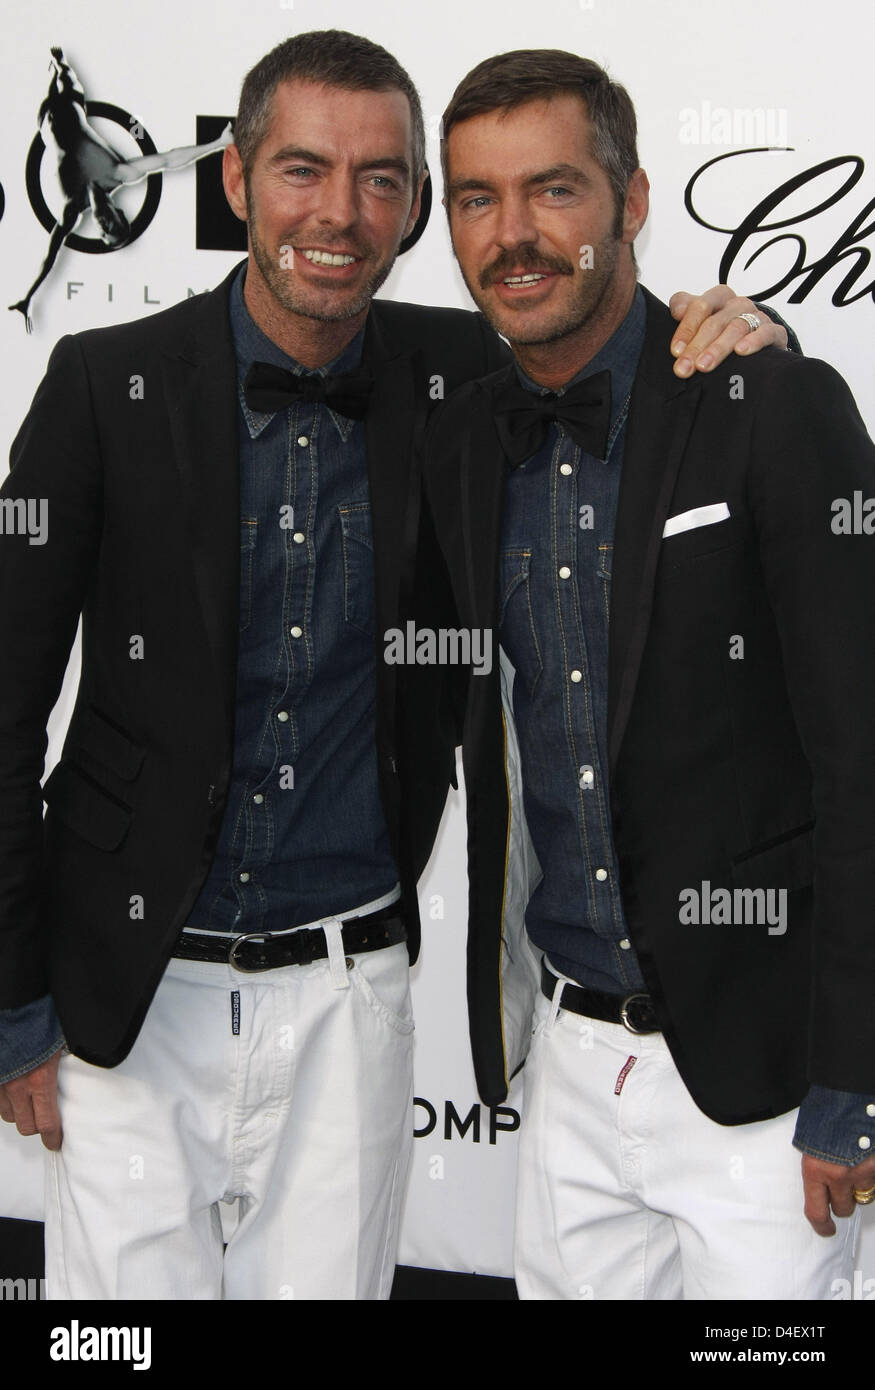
(332, 57)
(529, 74)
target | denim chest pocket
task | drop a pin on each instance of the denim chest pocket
(605, 562)
(248, 533)
(517, 627)
(358, 565)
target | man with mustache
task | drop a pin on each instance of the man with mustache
(683, 624)
(218, 913)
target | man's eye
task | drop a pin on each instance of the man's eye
(558, 189)
(480, 201)
(383, 181)
(299, 170)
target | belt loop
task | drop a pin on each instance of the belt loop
(555, 1004)
(336, 954)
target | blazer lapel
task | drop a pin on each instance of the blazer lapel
(660, 418)
(393, 431)
(200, 382)
(483, 470)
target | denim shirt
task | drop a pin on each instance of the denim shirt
(554, 623)
(303, 834)
(560, 509)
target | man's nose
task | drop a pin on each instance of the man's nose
(338, 203)
(515, 225)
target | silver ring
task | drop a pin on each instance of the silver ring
(753, 321)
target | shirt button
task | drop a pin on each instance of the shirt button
(303, 441)
(244, 878)
(296, 631)
(870, 1109)
(258, 798)
(299, 538)
(601, 875)
(282, 716)
(565, 468)
(576, 676)
(864, 1142)
(587, 776)
(564, 572)
(625, 944)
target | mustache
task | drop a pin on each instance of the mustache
(529, 259)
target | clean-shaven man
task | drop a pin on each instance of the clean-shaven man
(693, 698)
(218, 913)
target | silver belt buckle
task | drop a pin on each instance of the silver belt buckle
(624, 1014)
(238, 941)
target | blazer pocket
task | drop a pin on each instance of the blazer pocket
(85, 807)
(698, 542)
(92, 733)
(787, 863)
(696, 517)
(516, 617)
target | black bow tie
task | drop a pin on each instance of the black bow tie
(522, 418)
(269, 388)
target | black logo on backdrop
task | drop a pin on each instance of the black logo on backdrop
(90, 171)
(847, 247)
(107, 241)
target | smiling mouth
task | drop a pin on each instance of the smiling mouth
(332, 258)
(530, 278)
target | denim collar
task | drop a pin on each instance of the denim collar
(619, 355)
(252, 345)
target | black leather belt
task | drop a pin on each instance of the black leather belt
(635, 1011)
(262, 951)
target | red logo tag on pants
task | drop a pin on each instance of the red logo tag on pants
(626, 1068)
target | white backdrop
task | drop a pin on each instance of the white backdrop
(706, 79)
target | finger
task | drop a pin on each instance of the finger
(817, 1206)
(697, 311)
(863, 1175)
(47, 1115)
(700, 353)
(841, 1196)
(694, 310)
(22, 1108)
(769, 334)
(6, 1111)
(724, 339)
(678, 304)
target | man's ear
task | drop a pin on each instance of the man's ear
(416, 206)
(637, 205)
(419, 213)
(234, 182)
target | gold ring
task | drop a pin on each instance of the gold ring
(864, 1198)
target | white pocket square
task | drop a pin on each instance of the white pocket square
(699, 516)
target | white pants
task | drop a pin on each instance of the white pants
(304, 1116)
(638, 1195)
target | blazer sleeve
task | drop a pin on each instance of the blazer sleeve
(793, 343)
(55, 468)
(810, 450)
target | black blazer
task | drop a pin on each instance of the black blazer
(132, 441)
(744, 773)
